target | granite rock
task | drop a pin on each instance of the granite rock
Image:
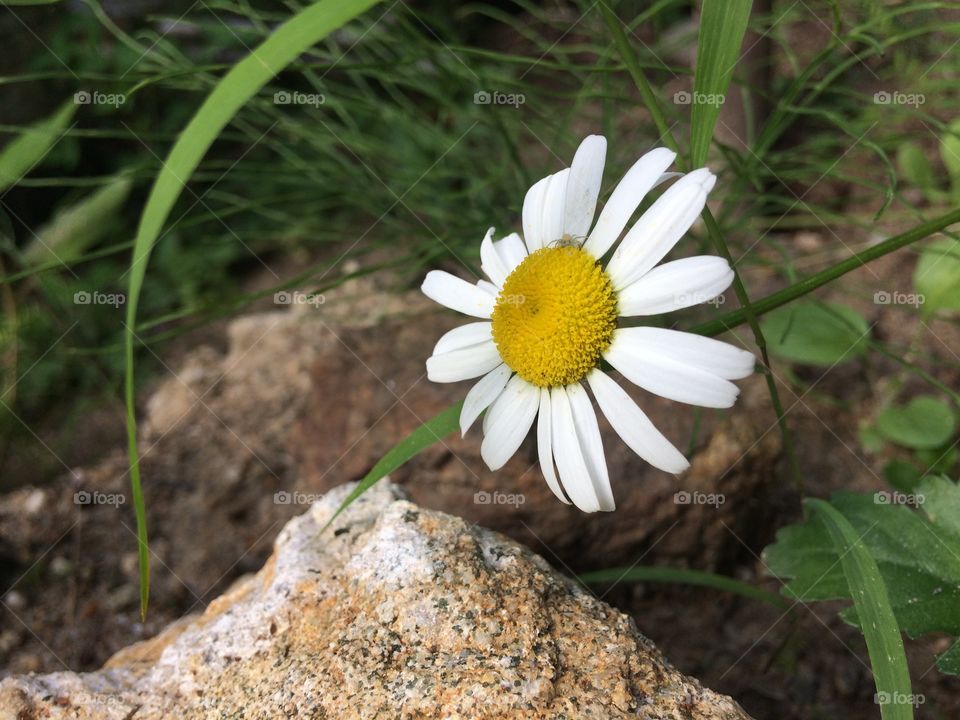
(394, 611)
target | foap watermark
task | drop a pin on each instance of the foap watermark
(515, 299)
(899, 698)
(85, 297)
(284, 497)
(882, 297)
(684, 497)
(294, 297)
(115, 705)
(687, 299)
(285, 97)
(885, 97)
(86, 497)
(887, 497)
(86, 97)
(682, 97)
(495, 97)
(498, 498)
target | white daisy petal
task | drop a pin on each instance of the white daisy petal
(456, 294)
(714, 356)
(660, 227)
(463, 364)
(646, 174)
(583, 186)
(588, 435)
(489, 288)
(491, 415)
(482, 395)
(665, 375)
(512, 251)
(676, 285)
(532, 212)
(566, 450)
(545, 446)
(633, 426)
(552, 212)
(513, 412)
(464, 336)
(491, 263)
(667, 176)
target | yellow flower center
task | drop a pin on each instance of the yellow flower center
(555, 316)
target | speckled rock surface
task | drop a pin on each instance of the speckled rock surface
(394, 612)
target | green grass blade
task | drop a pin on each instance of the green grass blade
(22, 153)
(722, 25)
(79, 226)
(872, 604)
(245, 79)
(683, 577)
(433, 430)
(622, 43)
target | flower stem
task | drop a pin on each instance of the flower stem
(639, 79)
(751, 317)
(771, 302)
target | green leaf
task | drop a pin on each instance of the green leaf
(78, 227)
(902, 475)
(950, 152)
(938, 460)
(816, 333)
(682, 576)
(949, 662)
(29, 148)
(917, 553)
(433, 430)
(937, 276)
(914, 166)
(866, 586)
(242, 82)
(870, 440)
(924, 422)
(722, 25)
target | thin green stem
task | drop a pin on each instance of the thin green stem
(771, 302)
(751, 316)
(682, 576)
(639, 79)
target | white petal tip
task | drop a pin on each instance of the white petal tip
(493, 467)
(588, 508)
(678, 468)
(708, 181)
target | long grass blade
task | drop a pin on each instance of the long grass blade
(79, 226)
(27, 150)
(879, 625)
(433, 430)
(722, 25)
(683, 577)
(246, 78)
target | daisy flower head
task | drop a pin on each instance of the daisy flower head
(549, 313)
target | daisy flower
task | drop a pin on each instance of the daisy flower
(549, 315)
